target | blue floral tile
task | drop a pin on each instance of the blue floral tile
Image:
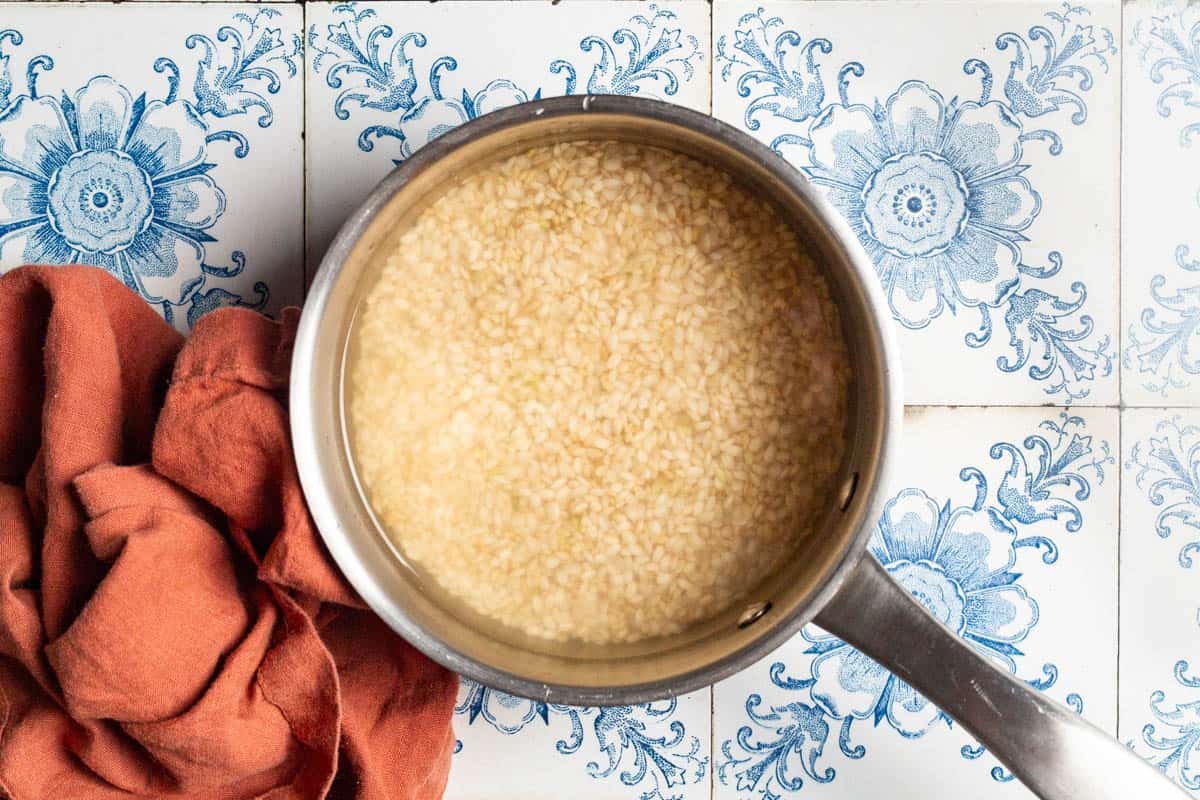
(385, 78)
(510, 747)
(172, 160)
(1160, 596)
(974, 151)
(1038, 488)
(1160, 258)
(1023, 175)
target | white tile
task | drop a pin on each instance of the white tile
(511, 747)
(384, 78)
(1160, 596)
(1052, 480)
(965, 219)
(375, 95)
(1160, 251)
(198, 201)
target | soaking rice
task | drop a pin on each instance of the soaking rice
(598, 392)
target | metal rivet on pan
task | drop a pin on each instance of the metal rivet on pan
(848, 490)
(753, 614)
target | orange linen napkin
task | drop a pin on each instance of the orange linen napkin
(170, 624)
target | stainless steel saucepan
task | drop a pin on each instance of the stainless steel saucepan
(828, 579)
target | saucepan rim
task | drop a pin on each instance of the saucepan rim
(312, 438)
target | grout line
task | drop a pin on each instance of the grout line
(1117, 345)
(1120, 533)
(1120, 205)
(712, 742)
(1047, 407)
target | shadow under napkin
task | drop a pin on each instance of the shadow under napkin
(170, 624)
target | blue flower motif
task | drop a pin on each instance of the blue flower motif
(104, 178)
(652, 50)
(109, 180)
(6, 84)
(1027, 496)
(671, 758)
(504, 712)
(1176, 734)
(237, 59)
(434, 115)
(643, 745)
(790, 72)
(801, 731)
(384, 82)
(1164, 340)
(934, 192)
(958, 563)
(1034, 87)
(1169, 47)
(647, 55)
(1168, 470)
(937, 190)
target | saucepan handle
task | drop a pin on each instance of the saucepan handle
(1047, 746)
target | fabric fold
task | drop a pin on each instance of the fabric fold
(170, 623)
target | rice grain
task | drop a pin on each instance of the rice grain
(598, 392)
